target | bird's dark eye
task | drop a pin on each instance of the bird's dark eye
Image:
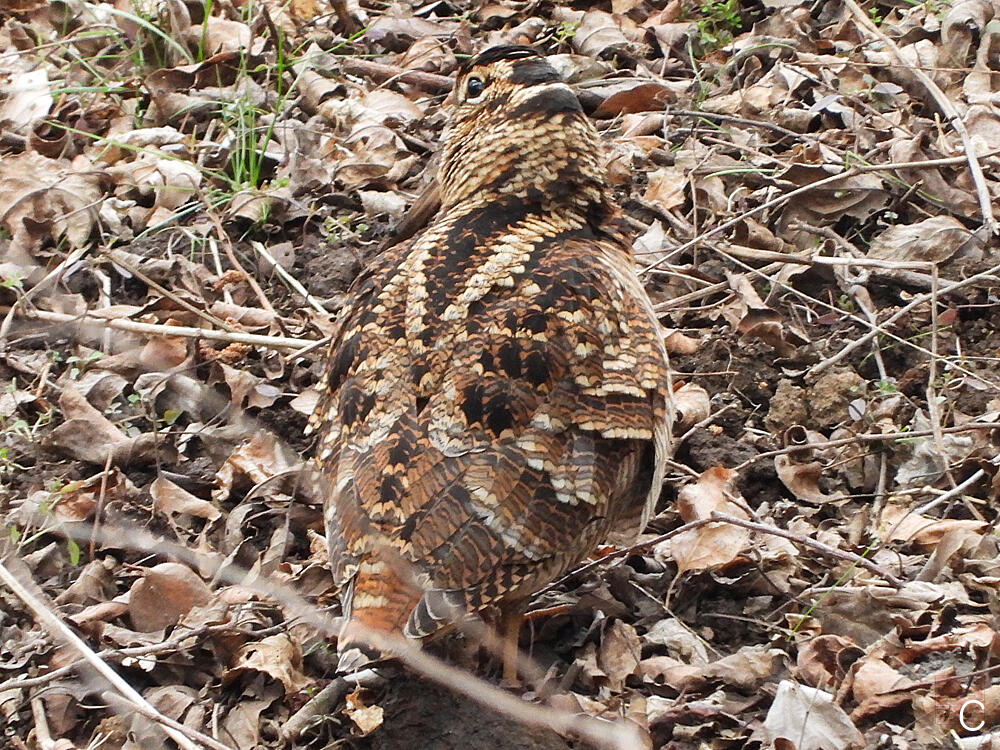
(474, 87)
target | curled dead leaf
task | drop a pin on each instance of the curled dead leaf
(277, 656)
(692, 404)
(802, 480)
(366, 718)
(806, 717)
(170, 499)
(901, 524)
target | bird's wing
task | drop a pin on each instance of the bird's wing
(497, 456)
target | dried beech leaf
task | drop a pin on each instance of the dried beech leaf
(277, 656)
(692, 404)
(44, 199)
(806, 717)
(171, 500)
(933, 240)
(164, 594)
(877, 687)
(366, 718)
(28, 100)
(678, 343)
(714, 544)
(903, 525)
(817, 662)
(620, 653)
(802, 480)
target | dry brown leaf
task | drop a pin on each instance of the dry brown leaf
(258, 458)
(692, 404)
(76, 500)
(366, 718)
(933, 240)
(620, 652)
(876, 687)
(802, 480)
(902, 525)
(715, 544)
(643, 96)
(277, 656)
(172, 500)
(598, 35)
(973, 712)
(678, 343)
(164, 594)
(88, 436)
(665, 670)
(666, 188)
(808, 719)
(748, 668)
(95, 584)
(45, 199)
(28, 100)
(818, 660)
(977, 636)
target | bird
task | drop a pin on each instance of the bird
(495, 403)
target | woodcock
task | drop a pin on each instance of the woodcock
(496, 397)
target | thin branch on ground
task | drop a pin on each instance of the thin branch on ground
(811, 543)
(290, 281)
(156, 329)
(945, 106)
(917, 301)
(184, 736)
(866, 437)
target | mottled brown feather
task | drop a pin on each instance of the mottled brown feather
(496, 400)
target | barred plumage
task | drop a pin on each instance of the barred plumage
(496, 398)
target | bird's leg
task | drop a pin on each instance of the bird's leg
(510, 630)
(558, 609)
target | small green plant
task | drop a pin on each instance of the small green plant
(79, 365)
(7, 464)
(886, 387)
(717, 21)
(566, 31)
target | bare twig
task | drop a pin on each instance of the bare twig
(624, 552)
(811, 543)
(324, 702)
(184, 736)
(955, 491)
(946, 107)
(382, 73)
(155, 329)
(784, 198)
(171, 644)
(50, 278)
(116, 258)
(290, 280)
(865, 437)
(619, 735)
(914, 303)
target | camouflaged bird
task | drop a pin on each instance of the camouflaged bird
(495, 400)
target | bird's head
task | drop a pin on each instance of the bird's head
(516, 129)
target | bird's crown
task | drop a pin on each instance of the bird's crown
(516, 129)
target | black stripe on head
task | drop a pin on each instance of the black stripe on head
(495, 54)
(532, 71)
(552, 102)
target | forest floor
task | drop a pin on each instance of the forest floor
(186, 196)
